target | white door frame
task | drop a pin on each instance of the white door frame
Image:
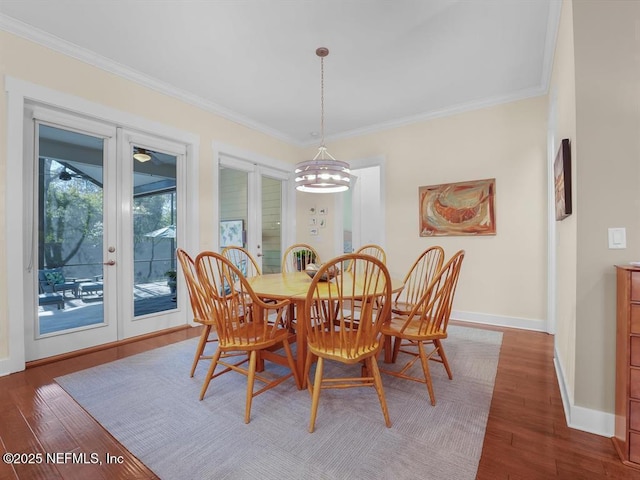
(248, 161)
(377, 161)
(41, 346)
(129, 325)
(19, 281)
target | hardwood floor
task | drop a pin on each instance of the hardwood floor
(526, 437)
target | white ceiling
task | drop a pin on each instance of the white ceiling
(253, 61)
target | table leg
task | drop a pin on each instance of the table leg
(388, 349)
(301, 338)
(258, 313)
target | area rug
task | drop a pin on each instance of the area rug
(149, 403)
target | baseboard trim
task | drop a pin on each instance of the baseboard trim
(500, 320)
(581, 418)
(104, 346)
(577, 417)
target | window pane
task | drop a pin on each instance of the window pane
(70, 216)
(154, 232)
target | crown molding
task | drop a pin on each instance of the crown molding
(553, 23)
(433, 114)
(31, 33)
(28, 32)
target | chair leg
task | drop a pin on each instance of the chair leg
(253, 359)
(307, 369)
(315, 397)
(201, 344)
(292, 365)
(372, 366)
(445, 362)
(427, 373)
(212, 368)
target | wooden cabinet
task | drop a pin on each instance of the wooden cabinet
(627, 426)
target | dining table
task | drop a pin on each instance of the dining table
(293, 286)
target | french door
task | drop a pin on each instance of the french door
(104, 229)
(253, 200)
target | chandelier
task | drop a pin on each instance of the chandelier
(323, 174)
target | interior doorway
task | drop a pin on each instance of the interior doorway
(363, 207)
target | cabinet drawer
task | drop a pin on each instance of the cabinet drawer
(634, 447)
(635, 319)
(634, 383)
(634, 357)
(635, 286)
(634, 416)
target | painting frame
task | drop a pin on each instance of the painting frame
(562, 180)
(458, 209)
(232, 233)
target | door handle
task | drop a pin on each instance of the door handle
(110, 262)
(258, 255)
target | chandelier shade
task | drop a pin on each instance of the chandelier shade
(326, 176)
(323, 174)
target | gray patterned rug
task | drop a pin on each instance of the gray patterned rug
(149, 403)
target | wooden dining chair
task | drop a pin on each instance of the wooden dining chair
(199, 307)
(418, 278)
(243, 260)
(245, 324)
(373, 250)
(414, 285)
(426, 325)
(334, 334)
(298, 256)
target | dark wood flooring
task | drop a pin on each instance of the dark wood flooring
(526, 437)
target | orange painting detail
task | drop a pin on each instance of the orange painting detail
(463, 208)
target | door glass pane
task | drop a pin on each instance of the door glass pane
(154, 232)
(271, 224)
(234, 188)
(70, 221)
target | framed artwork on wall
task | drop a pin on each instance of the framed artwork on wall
(562, 180)
(462, 208)
(231, 233)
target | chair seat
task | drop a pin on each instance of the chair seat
(51, 299)
(401, 308)
(334, 350)
(412, 331)
(250, 337)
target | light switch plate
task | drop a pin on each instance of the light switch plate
(617, 238)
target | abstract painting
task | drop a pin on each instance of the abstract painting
(462, 208)
(562, 177)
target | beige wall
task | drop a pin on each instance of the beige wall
(28, 61)
(607, 72)
(503, 275)
(506, 142)
(596, 81)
